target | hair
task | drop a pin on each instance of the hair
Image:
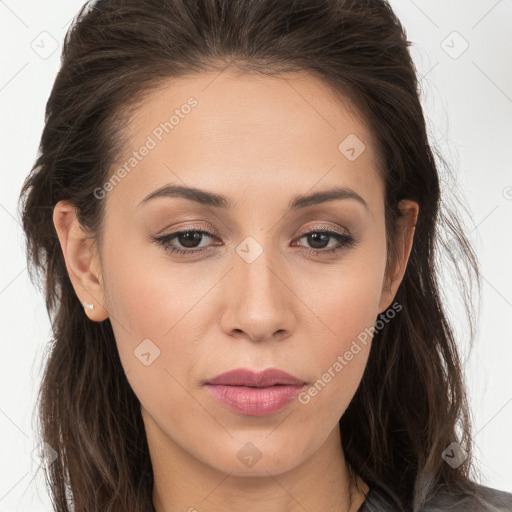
(411, 403)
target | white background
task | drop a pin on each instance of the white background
(467, 99)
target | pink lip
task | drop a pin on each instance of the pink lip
(255, 393)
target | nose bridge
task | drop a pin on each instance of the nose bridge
(256, 268)
(259, 299)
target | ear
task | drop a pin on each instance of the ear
(396, 266)
(82, 260)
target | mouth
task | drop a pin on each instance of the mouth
(254, 393)
(255, 401)
(258, 379)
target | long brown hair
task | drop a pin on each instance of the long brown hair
(411, 403)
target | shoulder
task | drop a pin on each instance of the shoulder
(484, 499)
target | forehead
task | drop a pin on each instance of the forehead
(231, 129)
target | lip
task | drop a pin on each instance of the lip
(255, 393)
(258, 379)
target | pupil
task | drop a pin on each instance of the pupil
(190, 238)
(314, 239)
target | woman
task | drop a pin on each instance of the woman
(235, 210)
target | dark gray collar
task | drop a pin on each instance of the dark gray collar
(485, 499)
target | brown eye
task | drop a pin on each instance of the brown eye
(188, 241)
(320, 239)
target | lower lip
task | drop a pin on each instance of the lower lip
(254, 401)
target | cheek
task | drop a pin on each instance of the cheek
(156, 313)
(347, 304)
(148, 294)
(347, 299)
(340, 364)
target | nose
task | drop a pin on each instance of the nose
(259, 301)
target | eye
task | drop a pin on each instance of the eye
(319, 240)
(191, 241)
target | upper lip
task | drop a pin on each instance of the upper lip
(260, 379)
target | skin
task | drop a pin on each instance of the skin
(260, 141)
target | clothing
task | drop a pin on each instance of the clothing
(493, 500)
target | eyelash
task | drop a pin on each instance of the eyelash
(347, 241)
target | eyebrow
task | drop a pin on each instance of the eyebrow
(219, 201)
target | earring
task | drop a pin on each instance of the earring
(85, 305)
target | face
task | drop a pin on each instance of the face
(196, 285)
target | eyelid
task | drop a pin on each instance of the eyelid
(188, 226)
(323, 228)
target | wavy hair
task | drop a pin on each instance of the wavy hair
(411, 403)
